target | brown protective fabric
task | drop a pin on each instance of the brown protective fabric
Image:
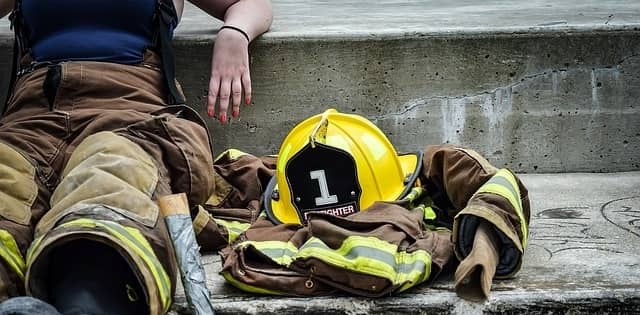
(176, 137)
(125, 99)
(223, 189)
(247, 175)
(502, 215)
(125, 174)
(249, 266)
(212, 237)
(201, 220)
(499, 212)
(451, 176)
(474, 275)
(240, 182)
(10, 284)
(384, 221)
(18, 186)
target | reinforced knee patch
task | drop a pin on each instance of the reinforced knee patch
(109, 170)
(18, 189)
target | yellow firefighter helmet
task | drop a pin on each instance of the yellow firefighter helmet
(338, 164)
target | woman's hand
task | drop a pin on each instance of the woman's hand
(230, 75)
(230, 61)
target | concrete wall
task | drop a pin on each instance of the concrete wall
(555, 102)
(535, 102)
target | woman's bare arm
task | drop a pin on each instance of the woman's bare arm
(230, 77)
(252, 16)
(215, 8)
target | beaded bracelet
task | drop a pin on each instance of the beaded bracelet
(236, 29)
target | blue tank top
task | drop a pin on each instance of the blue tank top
(100, 30)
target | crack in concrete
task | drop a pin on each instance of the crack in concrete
(422, 102)
(624, 59)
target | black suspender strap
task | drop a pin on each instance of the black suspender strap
(166, 18)
(18, 50)
(12, 79)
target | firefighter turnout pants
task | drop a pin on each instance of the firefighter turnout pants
(85, 148)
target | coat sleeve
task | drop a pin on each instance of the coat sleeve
(236, 201)
(471, 190)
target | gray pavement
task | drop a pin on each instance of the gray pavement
(582, 258)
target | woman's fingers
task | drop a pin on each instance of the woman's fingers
(214, 85)
(236, 89)
(246, 83)
(224, 95)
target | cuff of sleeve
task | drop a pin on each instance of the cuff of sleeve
(510, 249)
(201, 220)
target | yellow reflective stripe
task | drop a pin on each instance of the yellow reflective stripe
(234, 228)
(246, 287)
(32, 248)
(141, 246)
(372, 256)
(505, 185)
(418, 198)
(133, 239)
(366, 255)
(414, 194)
(11, 254)
(429, 214)
(281, 253)
(233, 154)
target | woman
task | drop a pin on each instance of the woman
(87, 143)
(230, 60)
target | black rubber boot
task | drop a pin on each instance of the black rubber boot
(89, 277)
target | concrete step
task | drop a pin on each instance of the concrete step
(538, 85)
(582, 258)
